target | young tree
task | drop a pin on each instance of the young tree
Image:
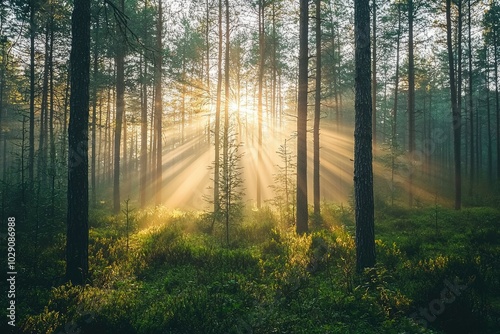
(363, 169)
(302, 208)
(77, 236)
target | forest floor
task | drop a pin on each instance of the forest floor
(438, 271)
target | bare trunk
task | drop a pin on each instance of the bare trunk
(259, 102)
(363, 169)
(317, 113)
(159, 104)
(455, 110)
(302, 207)
(411, 101)
(77, 236)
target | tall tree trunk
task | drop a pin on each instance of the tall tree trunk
(94, 111)
(144, 133)
(374, 73)
(455, 110)
(226, 127)
(471, 106)
(31, 154)
(52, 143)
(120, 110)
(159, 104)
(363, 169)
(77, 236)
(42, 146)
(65, 114)
(302, 207)
(496, 40)
(274, 65)
(144, 116)
(459, 73)
(3, 136)
(217, 115)
(488, 113)
(394, 144)
(259, 97)
(411, 100)
(317, 112)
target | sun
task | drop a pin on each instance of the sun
(243, 110)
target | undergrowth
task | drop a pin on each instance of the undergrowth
(177, 278)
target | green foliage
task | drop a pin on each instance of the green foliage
(284, 186)
(179, 279)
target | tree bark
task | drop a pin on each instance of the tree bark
(374, 72)
(144, 127)
(94, 112)
(455, 110)
(259, 100)
(159, 104)
(411, 101)
(471, 104)
(120, 109)
(394, 144)
(226, 126)
(77, 220)
(497, 97)
(317, 113)
(302, 207)
(363, 169)
(31, 154)
(217, 116)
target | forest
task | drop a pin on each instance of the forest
(250, 166)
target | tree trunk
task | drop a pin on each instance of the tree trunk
(363, 169)
(120, 109)
(497, 99)
(488, 114)
(302, 207)
(207, 67)
(94, 111)
(471, 106)
(259, 102)
(52, 167)
(317, 113)
(411, 101)
(144, 134)
(217, 116)
(42, 149)
(374, 73)
(274, 109)
(77, 236)
(455, 110)
(394, 144)
(31, 154)
(226, 126)
(159, 104)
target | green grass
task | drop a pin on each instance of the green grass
(176, 278)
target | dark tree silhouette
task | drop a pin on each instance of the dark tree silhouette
(77, 224)
(363, 169)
